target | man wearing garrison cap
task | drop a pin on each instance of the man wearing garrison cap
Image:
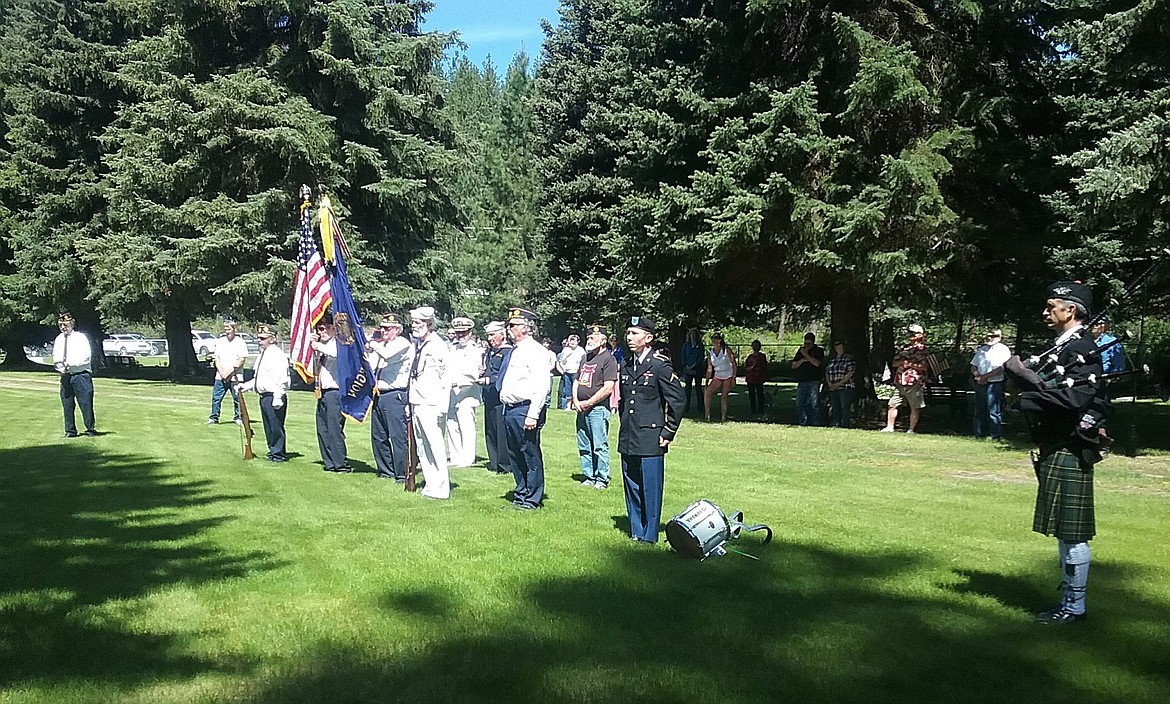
(1066, 405)
(524, 387)
(72, 359)
(592, 389)
(651, 404)
(270, 380)
(494, 434)
(390, 355)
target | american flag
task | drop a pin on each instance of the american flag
(311, 297)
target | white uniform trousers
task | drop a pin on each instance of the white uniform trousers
(432, 454)
(461, 434)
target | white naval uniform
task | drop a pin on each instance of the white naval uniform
(430, 396)
(463, 365)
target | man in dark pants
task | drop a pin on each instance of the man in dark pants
(524, 387)
(651, 409)
(1066, 405)
(72, 358)
(390, 355)
(494, 434)
(330, 422)
(271, 381)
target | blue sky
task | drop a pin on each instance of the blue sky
(496, 27)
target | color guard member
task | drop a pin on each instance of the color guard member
(72, 357)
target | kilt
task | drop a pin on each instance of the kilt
(1064, 498)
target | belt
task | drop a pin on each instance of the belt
(83, 371)
(517, 405)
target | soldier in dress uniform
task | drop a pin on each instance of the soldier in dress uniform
(463, 364)
(493, 409)
(651, 407)
(390, 355)
(330, 422)
(1065, 403)
(430, 397)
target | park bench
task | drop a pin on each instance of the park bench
(117, 361)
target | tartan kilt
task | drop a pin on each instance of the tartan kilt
(1064, 498)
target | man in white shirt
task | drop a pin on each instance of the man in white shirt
(330, 422)
(430, 397)
(463, 365)
(271, 381)
(230, 354)
(72, 359)
(988, 381)
(524, 388)
(390, 355)
(569, 364)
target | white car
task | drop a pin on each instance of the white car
(203, 342)
(125, 345)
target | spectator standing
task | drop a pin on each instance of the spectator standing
(988, 381)
(73, 359)
(592, 390)
(806, 367)
(839, 371)
(755, 372)
(694, 364)
(721, 373)
(568, 364)
(230, 354)
(1112, 355)
(909, 378)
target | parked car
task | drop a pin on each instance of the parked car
(252, 343)
(203, 342)
(156, 346)
(125, 345)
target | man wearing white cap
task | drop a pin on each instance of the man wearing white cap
(430, 396)
(463, 372)
(494, 435)
(909, 378)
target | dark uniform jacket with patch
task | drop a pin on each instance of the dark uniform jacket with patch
(650, 406)
(493, 359)
(1063, 416)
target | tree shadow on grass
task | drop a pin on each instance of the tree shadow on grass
(85, 533)
(805, 624)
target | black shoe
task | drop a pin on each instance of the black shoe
(278, 459)
(91, 433)
(385, 476)
(1059, 616)
(343, 470)
(69, 435)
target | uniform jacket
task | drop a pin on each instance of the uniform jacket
(493, 359)
(651, 405)
(429, 385)
(1068, 416)
(463, 373)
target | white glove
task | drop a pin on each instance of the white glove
(247, 385)
(277, 400)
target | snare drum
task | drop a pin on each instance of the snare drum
(699, 530)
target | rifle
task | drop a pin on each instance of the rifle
(411, 451)
(247, 427)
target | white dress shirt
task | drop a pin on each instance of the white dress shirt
(572, 359)
(327, 375)
(463, 365)
(527, 377)
(429, 385)
(989, 357)
(72, 356)
(391, 360)
(271, 371)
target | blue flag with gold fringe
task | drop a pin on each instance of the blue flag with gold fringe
(355, 379)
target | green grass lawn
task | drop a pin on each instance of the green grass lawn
(152, 564)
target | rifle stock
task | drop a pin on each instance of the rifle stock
(247, 424)
(411, 452)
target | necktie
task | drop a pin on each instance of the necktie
(256, 371)
(65, 353)
(504, 369)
